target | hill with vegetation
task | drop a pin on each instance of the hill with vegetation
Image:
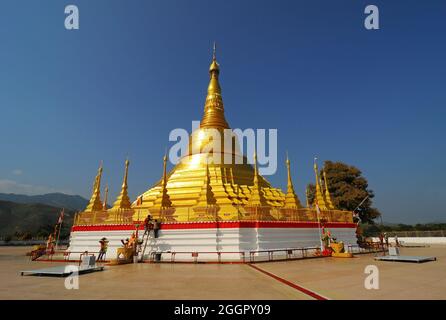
(58, 200)
(24, 221)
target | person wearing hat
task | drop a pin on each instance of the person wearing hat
(132, 241)
(103, 251)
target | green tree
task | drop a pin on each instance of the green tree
(348, 188)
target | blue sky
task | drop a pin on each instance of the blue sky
(137, 69)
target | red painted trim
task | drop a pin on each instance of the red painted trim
(215, 225)
(291, 284)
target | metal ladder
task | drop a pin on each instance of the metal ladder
(147, 236)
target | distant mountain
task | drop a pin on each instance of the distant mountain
(59, 200)
(21, 220)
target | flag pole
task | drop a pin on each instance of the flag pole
(319, 226)
(60, 227)
(318, 210)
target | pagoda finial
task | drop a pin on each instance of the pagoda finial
(327, 194)
(291, 199)
(290, 183)
(123, 201)
(319, 197)
(213, 116)
(95, 203)
(214, 52)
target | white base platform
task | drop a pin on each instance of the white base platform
(231, 239)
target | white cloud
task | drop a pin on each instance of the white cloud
(10, 186)
(17, 172)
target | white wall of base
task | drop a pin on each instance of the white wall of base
(229, 241)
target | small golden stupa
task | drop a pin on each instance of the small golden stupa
(197, 189)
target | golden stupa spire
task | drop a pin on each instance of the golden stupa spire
(291, 199)
(95, 203)
(104, 204)
(123, 201)
(306, 197)
(327, 194)
(319, 197)
(206, 196)
(214, 116)
(256, 171)
(256, 198)
(164, 200)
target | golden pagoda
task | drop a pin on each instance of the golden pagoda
(235, 187)
(210, 204)
(204, 186)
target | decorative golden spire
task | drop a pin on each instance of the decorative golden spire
(214, 116)
(123, 201)
(214, 52)
(256, 198)
(104, 204)
(206, 196)
(327, 194)
(164, 200)
(319, 197)
(95, 203)
(256, 171)
(306, 197)
(291, 199)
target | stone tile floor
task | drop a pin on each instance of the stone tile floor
(330, 277)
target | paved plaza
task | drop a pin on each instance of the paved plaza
(328, 277)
